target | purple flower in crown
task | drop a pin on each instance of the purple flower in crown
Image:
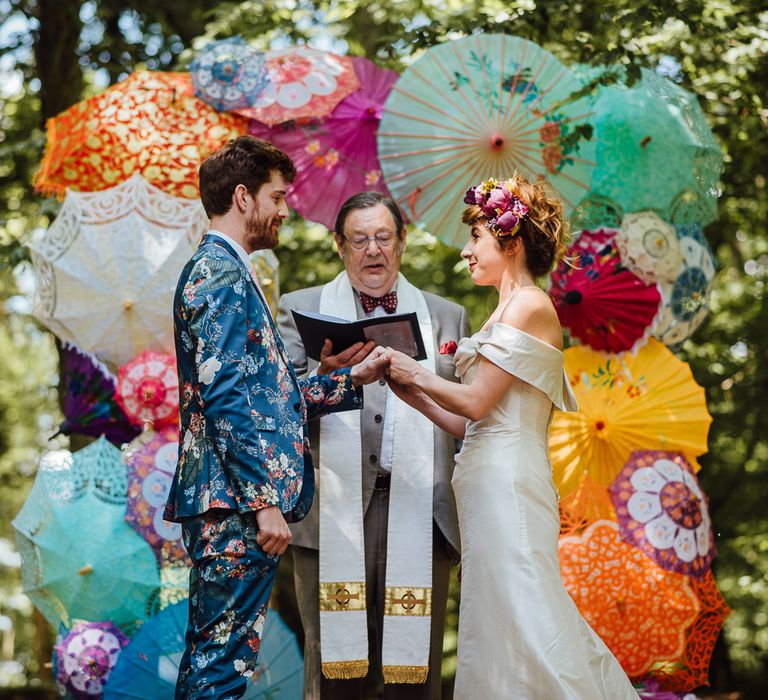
(498, 201)
(475, 195)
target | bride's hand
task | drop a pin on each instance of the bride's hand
(403, 369)
(412, 395)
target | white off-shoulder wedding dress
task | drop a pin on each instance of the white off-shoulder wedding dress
(520, 634)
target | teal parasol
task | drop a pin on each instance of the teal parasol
(80, 559)
(477, 108)
(655, 151)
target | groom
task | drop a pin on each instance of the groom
(244, 466)
(372, 558)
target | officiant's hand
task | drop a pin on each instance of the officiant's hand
(403, 369)
(346, 358)
(371, 368)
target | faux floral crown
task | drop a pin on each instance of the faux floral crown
(504, 210)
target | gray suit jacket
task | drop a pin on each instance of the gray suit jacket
(449, 322)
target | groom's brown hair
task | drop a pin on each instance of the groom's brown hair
(244, 160)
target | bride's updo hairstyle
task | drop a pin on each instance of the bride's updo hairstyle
(518, 208)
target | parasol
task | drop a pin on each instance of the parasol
(477, 108)
(89, 404)
(303, 83)
(626, 402)
(655, 150)
(107, 268)
(336, 156)
(148, 390)
(687, 297)
(640, 611)
(229, 74)
(149, 665)
(67, 573)
(151, 461)
(150, 123)
(598, 300)
(662, 510)
(85, 657)
(649, 247)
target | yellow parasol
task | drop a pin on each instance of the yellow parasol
(626, 402)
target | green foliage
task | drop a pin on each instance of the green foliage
(721, 48)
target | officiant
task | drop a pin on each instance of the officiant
(372, 558)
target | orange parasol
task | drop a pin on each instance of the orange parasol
(151, 123)
(641, 611)
(691, 670)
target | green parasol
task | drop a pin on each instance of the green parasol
(655, 150)
(477, 108)
(80, 559)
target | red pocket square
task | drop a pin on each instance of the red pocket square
(448, 348)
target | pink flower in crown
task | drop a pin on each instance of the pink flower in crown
(498, 200)
(312, 147)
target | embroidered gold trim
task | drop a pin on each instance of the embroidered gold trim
(405, 674)
(406, 600)
(342, 596)
(345, 669)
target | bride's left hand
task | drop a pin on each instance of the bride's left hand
(403, 369)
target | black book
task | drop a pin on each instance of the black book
(397, 331)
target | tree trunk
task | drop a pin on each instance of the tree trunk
(57, 63)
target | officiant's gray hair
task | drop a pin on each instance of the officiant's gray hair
(363, 200)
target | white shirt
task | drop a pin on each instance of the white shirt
(388, 429)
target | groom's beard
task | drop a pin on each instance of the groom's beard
(262, 232)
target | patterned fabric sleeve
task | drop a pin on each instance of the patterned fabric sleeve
(330, 393)
(216, 312)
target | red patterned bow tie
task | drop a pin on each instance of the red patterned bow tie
(388, 302)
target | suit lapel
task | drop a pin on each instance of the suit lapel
(221, 243)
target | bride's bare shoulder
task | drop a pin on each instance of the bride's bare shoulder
(531, 310)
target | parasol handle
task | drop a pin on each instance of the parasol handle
(84, 571)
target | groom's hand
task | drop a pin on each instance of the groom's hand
(372, 368)
(346, 358)
(273, 535)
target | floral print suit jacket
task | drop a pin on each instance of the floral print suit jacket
(242, 409)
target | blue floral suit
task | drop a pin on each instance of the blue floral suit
(243, 447)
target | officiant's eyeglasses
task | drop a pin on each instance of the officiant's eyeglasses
(383, 240)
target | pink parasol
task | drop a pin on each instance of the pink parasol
(602, 303)
(148, 389)
(85, 657)
(336, 157)
(662, 510)
(303, 83)
(150, 465)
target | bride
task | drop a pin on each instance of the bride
(520, 634)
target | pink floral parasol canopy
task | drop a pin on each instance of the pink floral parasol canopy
(150, 463)
(85, 657)
(662, 510)
(148, 390)
(303, 83)
(336, 157)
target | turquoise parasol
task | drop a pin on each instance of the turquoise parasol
(80, 559)
(477, 108)
(655, 151)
